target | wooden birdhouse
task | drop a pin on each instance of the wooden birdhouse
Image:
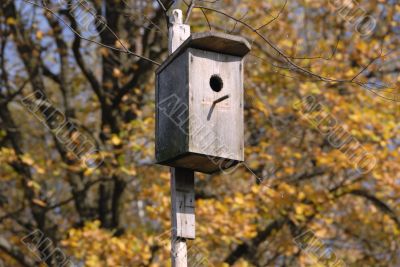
(199, 103)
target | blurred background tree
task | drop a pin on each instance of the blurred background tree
(94, 61)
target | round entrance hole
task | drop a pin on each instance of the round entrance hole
(216, 83)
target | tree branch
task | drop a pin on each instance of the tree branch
(15, 253)
(245, 249)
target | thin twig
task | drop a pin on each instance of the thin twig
(242, 18)
(93, 41)
(189, 11)
(368, 65)
(288, 60)
(320, 57)
(205, 16)
(162, 5)
(274, 18)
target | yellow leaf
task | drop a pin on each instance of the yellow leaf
(27, 159)
(131, 171)
(39, 202)
(39, 35)
(115, 140)
(33, 184)
(117, 73)
(88, 172)
(239, 200)
(11, 21)
(40, 170)
(297, 155)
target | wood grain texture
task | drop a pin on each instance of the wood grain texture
(182, 180)
(218, 133)
(178, 32)
(220, 43)
(172, 110)
(202, 163)
(179, 253)
(211, 41)
(183, 203)
(195, 130)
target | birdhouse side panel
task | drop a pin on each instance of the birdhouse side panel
(216, 104)
(172, 110)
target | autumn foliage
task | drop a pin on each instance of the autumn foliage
(322, 137)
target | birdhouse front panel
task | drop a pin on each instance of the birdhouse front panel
(216, 102)
(199, 104)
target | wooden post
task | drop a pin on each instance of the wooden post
(182, 180)
(178, 32)
(182, 213)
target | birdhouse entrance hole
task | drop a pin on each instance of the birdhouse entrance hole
(216, 83)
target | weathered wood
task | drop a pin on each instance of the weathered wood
(183, 201)
(178, 32)
(179, 253)
(211, 41)
(182, 180)
(219, 134)
(202, 163)
(172, 99)
(199, 114)
(220, 43)
(193, 130)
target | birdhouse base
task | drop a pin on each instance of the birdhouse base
(200, 163)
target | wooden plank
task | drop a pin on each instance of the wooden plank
(220, 43)
(201, 163)
(182, 180)
(172, 110)
(211, 41)
(183, 200)
(178, 32)
(217, 133)
(179, 253)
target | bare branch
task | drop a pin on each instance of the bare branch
(382, 206)
(287, 59)
(246, 248)
(76, 45)
(189, 11)
(205, 16)
(15, 253)
(162, 5)
(125, 50)
(274, 18)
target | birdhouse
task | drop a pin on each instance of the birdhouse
(199, 104)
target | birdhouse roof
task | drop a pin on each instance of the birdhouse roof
(212, 41)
